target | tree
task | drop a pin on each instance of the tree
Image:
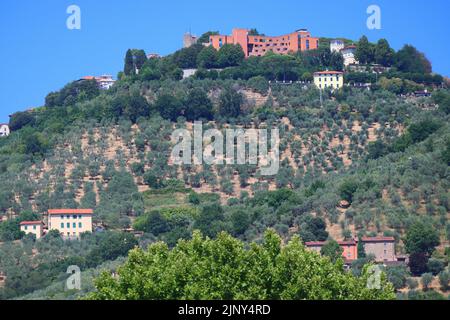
(209, 219)
(409, 59)
(426, 280)
(240, 221)
(204, 38)
(230, 55)
(207, 58)
(397, 275)
(332, 250)
(435, 266)
(418, 263)
(384, 54)
(187, 57)
(153, 222)
(129, 63)
(444, 278)
(198, 105)
(347, 189)
(111, 246)
(169, 106)
(20, 119)
(134, 60)
(230, 102)
(361, 249)
(224, 269)
(364, 51)
(421, 238)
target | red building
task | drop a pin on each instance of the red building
(258, 45)
(350, 248)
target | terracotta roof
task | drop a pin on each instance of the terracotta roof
(314, 243)
(28, 223)
(377, 239)
(321, 243)
(70, 211)
(328, 72)
(88, 78)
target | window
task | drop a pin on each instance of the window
(307, 44)
(79, 217)
(74, 216)
(80, 225)
(62, 225)
(34, 227)
(68, 217)
(74, 225)
(62, 217)
(68, 225)
(26, 228)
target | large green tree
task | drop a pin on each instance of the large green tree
(225, 269)
(421, 238)
(364, 51)
(230, 55)
(198, 105)
(230, 102)
(207, 57)
(384, 54)
(332, 250)
(409, 59)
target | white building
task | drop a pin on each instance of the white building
(349, 55)
(70, 222)
(33, 227)
(336, 45)
(4, 130)
(104, 82)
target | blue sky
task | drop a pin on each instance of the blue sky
(38, 54)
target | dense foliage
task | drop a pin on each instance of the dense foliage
(223, 269)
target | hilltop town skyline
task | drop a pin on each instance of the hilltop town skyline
(65, 55)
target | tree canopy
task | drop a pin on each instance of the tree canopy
(224, 269)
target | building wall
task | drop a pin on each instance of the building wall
(350, 250)
(70, 225)
(258, 45)
(329, 80)
(383, 251)
(189, 40)
(349, 57)
(336, 45)
(35, 229)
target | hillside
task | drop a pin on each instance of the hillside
(353, 163)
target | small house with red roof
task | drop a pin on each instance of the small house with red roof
(382, 248)
(33, 227)
(349, 248)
